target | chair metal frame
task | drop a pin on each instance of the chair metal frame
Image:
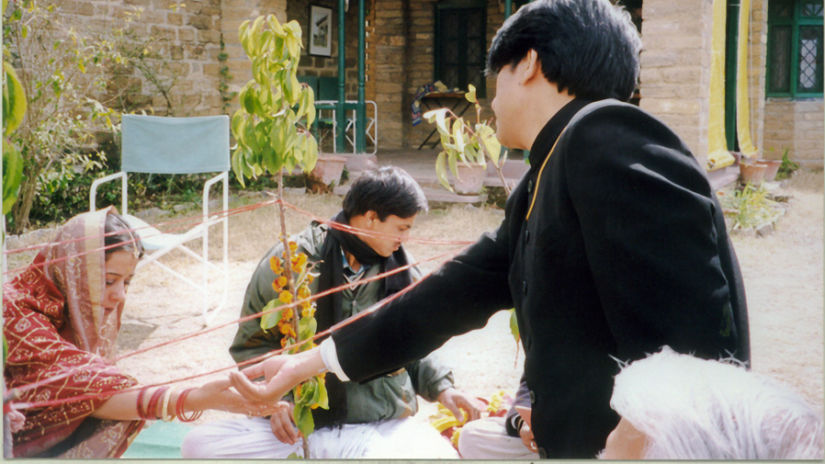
(351, 127)
(158, 243)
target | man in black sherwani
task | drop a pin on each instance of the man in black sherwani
(612, 246)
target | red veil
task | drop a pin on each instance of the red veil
(54, 322)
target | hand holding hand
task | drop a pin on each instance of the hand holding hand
(456, 400)
(283, 424)
(281, 374)
(219, 394)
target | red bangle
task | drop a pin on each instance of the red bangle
(153, 403)
(179, 407)
(140, 410)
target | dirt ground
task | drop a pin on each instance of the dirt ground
(783, 274)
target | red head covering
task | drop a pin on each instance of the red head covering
(54, 322)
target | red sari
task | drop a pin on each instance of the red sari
(54, 322)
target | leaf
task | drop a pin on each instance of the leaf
(452, 157)
(440, 116)
(248, 99)
(441, 170)
(237, 159)
(471, 94)
(514, 325)
(271, 319)
(487, 139)
(303, 419)
(310, 153)
(12, 174)
(275, 26)
(14, 101)
(458, 134)
(323, 396)
(306, 328)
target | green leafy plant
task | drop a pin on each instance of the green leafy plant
(749, 207)
(787, 167)
(271, 130)
(463, 143)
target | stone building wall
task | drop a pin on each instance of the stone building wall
(757, 57)
(187, 36)
(795, 125)
(675, 67)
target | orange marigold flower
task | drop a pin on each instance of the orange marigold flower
(310, 278)
(285, 297)
(275, 264)
(287, 314)
(275, 286)
(293, 246)
(282, 281)
(305, 312)
(284, 329)
(302, 258)
(283, 342)
(303, 292)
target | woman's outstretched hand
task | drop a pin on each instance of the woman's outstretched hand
(280, 373)
(218, 394)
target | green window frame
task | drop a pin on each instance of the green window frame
(794, 62)
(460, 44)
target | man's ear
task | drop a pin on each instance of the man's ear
(371, 216)
(530, 67)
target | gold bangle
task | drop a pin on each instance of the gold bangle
(167, 395)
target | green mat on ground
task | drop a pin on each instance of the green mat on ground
(158, 440)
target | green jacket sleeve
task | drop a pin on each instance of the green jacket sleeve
(430, 377)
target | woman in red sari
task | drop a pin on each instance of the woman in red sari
(62, 314)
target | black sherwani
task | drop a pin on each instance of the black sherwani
(624, 251)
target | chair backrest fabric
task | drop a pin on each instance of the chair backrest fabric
(170, 145)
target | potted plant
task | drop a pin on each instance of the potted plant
(465, 148)
(271, 130)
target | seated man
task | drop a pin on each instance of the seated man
(675, 406)
(503, 438)
(366, 420)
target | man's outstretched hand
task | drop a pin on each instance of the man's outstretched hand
(456, 400)
(281, 374)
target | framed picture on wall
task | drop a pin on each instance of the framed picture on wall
(320, 30)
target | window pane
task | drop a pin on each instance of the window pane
(812, 9)
(781, 9)
(780, 54)
(810, 59)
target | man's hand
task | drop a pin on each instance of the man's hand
(283, 424)
(218, 394)
(456, 400)
(526, 432)
(281, 373)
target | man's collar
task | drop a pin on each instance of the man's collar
(551, 131)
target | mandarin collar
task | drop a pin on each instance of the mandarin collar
(551, 131)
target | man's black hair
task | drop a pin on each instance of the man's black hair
(387, 191)
(588, 47)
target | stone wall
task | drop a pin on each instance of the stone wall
(795, 125)
(187, 37)
(675, 67)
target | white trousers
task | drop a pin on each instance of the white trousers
(487, 439)
(253, 438)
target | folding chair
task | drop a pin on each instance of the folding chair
(167, 145)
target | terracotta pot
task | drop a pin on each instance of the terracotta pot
(470, 179)
(752, 173)
(772, 168)
(328, 169)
